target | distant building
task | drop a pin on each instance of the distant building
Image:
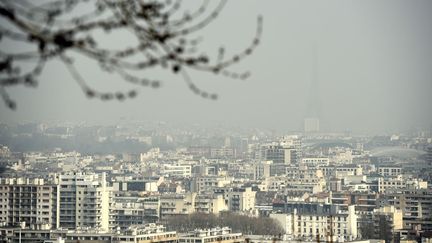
(221, 153)
(315, 161)
(392, 171)
(135, 185)
(199, 151)
(129, 211)
(262, 170)
(365, 202)
(282, 153)
(208, 183)
(141, 233)
(311, 125)
(340, 171)
(210, 203)
(415, 205)
(175, 204)
(386, 221)
(177, 170)
(429, 155)
(384, 184)
(214, 235)
(238, 199)
(327, 226)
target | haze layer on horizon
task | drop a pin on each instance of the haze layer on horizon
(373, 69)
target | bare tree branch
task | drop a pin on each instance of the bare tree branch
(161, 35)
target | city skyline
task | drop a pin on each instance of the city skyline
(164, 121)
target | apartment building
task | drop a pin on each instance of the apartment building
(241, 199)
(215, 235)
(210, 203)
(28, 201)
(145, 233)
(364, 201)
(84, 200)
(342, 170)
(128, 211)
(209, 183)
(174, 204)
(315, 161)
(177, 170)
(386, 221)
(384, 184)
(303, 171)
(223, 152)
(238, 199)
(262, 169)
(389, 171)
(415, 205)
(137, 234)
(312, 225)
(280, 153)
(130, 184)
(274, 183)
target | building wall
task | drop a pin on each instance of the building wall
(28, 201)
(84, 200)
(241, 199)
(177, 204)
(308, 226)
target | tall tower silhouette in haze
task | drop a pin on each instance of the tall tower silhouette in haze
(312, 116)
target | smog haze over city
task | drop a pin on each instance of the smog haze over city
(371, 62)
(215, 121)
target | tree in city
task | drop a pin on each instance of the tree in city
(367, 229)
(158, 34)
(237, 222)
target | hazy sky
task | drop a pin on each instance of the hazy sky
(374, 71)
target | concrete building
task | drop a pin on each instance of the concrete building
(145, 233)
(386, 221)
(340, 171)
(129, 184)
(177, 170)
(273, 152)
(209, 183)
(128, 211)
(28, 201)
(384, 184)
(241, 199)
(311, 125)
(335, 185)
(274, 183)
(288, 151)
(210, 203)
(364, 202)
(392, 171)
(327, 226)
(84, 200)
(175, 204)
(215, 235)
(415, 205)
(262, 170)
(293, 148)
(137, 234)
(315, 161)
(303, 172)
(222, 153)
(238, 199)
(429, 155)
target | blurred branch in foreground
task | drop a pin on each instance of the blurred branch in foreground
(160, 34)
